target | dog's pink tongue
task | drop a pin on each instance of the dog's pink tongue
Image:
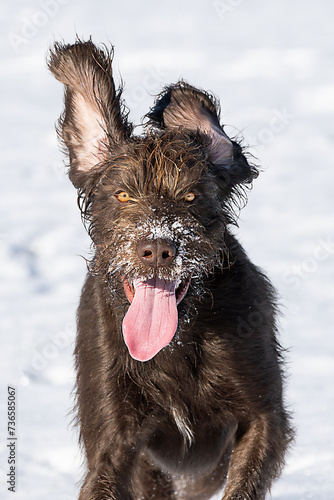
(151, 320)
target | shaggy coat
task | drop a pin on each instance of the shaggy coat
(179, 372)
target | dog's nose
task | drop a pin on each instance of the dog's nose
(156, 253)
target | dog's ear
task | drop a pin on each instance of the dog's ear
(184, 106)
(92, 121)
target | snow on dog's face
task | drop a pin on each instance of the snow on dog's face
(157, 206)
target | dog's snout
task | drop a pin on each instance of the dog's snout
(156, 253)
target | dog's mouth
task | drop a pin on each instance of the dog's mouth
(152, 318)
(180, 292)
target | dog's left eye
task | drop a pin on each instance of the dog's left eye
(189, 197)
(123, 196)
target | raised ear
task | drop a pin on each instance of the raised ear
(182, 105)
(92, 121)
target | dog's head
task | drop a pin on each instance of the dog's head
(157, 205)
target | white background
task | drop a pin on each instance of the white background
(271, 64)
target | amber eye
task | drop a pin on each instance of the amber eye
(123, 196)
(189, 197)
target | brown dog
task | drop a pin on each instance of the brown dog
(179, 373)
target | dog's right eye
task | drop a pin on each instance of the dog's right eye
(123, 196)
(190, 197)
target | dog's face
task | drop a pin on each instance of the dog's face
(156, 213)
(157, 206)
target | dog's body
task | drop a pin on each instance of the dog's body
(180, 393)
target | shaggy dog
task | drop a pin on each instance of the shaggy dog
(179, 372)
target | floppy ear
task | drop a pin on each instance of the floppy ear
(182, 105)
(92, 121)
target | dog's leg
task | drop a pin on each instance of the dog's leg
(150, 482)
(257, 458)
(110, 479)
(124, 482)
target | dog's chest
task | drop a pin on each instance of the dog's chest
(180, 446)
(185, 438)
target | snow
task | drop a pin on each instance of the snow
(271, 65)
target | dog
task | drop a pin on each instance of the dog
(179, 370)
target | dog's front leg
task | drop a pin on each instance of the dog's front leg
(256, 459)
(110, 476)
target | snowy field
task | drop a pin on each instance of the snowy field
(271, 63)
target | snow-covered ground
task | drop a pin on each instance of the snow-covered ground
(271, 63)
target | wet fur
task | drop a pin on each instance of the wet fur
(207, 410)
